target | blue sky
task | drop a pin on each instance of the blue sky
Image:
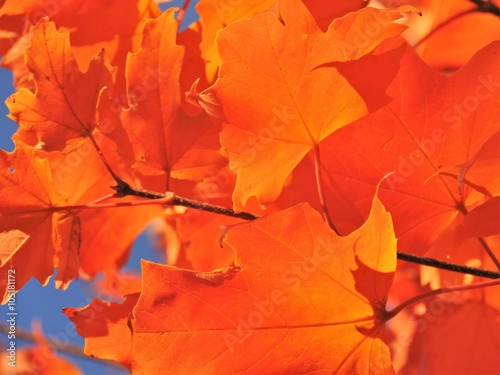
(45, 303)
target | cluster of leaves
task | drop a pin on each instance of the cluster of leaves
(321, 118)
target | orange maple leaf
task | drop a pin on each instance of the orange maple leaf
(277, 100)
(27, 186)
(34, 226)
(107, 234)
(434, 121)
(299, 299)
(104, 325)
(93, 26)
(64, 106)
(214, 16)
(165, 139)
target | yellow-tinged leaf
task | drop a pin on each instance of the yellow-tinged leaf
(299, 299)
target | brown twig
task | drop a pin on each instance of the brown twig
(123, 189)
(169, 198)
(126, 189)
(447, 266)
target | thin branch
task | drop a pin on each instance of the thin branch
(447, 266)
(180, 201)
(390, 314)
(169, 198)
(319, 186)
(67, 348)
(125, 189)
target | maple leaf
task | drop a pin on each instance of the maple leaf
(95, 25)
(14, 38)
(346, 214)
(107, 234)
(105, 328)
(289, 294)
(64, 105)
(296, 288)
(32, 224)
(113, 25)
(26, 185)
(277, 103)
(214, 16)
(165, 139)
(434, 121)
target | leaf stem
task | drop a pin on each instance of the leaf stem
(103, 159)
(390, 314)
(489, 252)
(319, 186)
(461, 208)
